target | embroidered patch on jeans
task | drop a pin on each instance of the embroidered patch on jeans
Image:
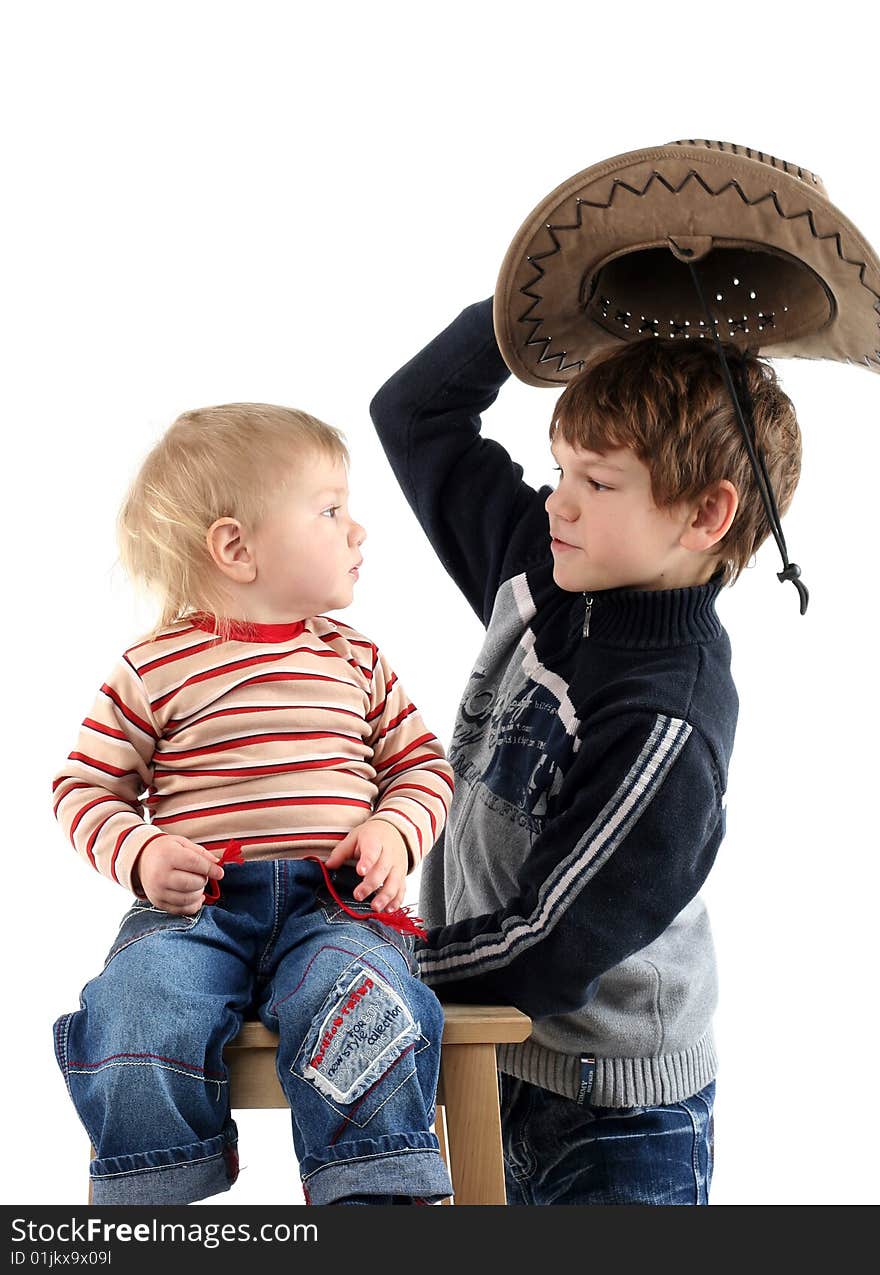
(355, 1040)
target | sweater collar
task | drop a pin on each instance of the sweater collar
(246, 631)
(644, 619)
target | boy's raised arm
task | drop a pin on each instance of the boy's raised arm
(467, 493)
(603, 879)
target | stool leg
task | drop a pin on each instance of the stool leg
(473, 1123)
(440, 1131)
(91, 1158)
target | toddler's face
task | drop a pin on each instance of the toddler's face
(606, 532)
(307, 548)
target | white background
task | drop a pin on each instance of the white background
(209, 202)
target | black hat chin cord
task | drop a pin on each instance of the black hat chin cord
(790, 570)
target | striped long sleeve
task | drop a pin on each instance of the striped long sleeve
(99, 796)
(413, 777)
(281, 737)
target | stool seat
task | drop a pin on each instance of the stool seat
(463, 1025)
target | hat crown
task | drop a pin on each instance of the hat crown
(783, 165)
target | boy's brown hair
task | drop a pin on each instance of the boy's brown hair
(667, 400)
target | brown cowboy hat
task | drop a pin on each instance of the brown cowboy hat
(605, 258)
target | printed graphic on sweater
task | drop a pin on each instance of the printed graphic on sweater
(527, 742)
(516, 729)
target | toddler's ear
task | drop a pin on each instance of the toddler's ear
(711, 516)
(229, 550)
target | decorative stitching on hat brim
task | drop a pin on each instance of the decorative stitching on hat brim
(870, 360)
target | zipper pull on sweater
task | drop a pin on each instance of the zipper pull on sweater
(587, 613)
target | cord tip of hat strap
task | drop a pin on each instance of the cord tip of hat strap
(792, 572)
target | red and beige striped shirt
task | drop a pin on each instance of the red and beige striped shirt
(283, 737)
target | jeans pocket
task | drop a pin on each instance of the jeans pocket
(145, 918)
(361, 1045)
(345, 881)
(517, 1105)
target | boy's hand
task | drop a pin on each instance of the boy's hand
(173, 873)
(382, 859)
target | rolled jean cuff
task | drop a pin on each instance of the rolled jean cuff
(177, 1175)
(409, 1165)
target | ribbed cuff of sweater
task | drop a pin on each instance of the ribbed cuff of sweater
(617, 1082)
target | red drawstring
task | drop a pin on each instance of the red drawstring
(232, 854)
(399, 919)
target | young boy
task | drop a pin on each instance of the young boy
(253, 727)
(592, 742)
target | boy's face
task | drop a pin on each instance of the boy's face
(606, 530)
(307, 548)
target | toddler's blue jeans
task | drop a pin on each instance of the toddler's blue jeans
(359, 1047)
(557, 1151)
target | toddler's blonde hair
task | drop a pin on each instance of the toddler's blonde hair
(215, 462)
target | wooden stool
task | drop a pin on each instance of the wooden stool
(468, 1124)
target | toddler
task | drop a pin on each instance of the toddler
(255, 774)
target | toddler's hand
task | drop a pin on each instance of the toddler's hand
(382, 860)
(173, 873)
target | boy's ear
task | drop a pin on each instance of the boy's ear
(227, 546)
(711, 516)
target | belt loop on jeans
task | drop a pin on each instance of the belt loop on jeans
(588, 1075)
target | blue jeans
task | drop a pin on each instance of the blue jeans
(559, 1152)
(358, 1058)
